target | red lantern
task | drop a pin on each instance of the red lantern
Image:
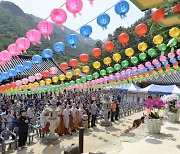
(176, 8)
(73, 63)
(123, 38)
(158, 15)
(13, 85)
(84, 58)
(63, 66)
(96, 52)
(46, 74)
(109, 46)
(2, 88)
(141, 30)
(8, 86)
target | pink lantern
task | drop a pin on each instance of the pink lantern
(45, 28)
(171, 55)
(178, 52)
(162, 58)
(34, 36)
(2, 63)
(31, 79)
(53, 70)
(123, 73)
(128, 71)
(58, 16)
(134, 69)
(18, 83)
(93, 82)
(23, 43)
(76, 86)
(148, 64)
(106, 78)
(118, 75)
(5, 56)
(111, 77)
(74, 6)
(141, 66)
(25, 81)
(91, 2)
(38, 76)
(80, 85)
(14, 49)
(155, 62)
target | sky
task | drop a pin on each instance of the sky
(42, 9)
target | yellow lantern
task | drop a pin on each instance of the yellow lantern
(85, 69)
(158, 39)
(107, 61)
(30, 85)
(129, 52)
(116, 57)
(55, 79)
(42, 83)
(21, 88)
(48, 81)
(174, 32)
(142, 46)
(77, 72)
(97, 65)
(35, 84)
(69, 75)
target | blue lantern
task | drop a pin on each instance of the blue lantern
(178, 58)
(151, 67)
(128, 75)
(19, 68)
(47, 53)
(172, 60)
(12, 72)
(103, 20)
(1, 79)
(72, 40)
(5, 75)
(139, 71)
(158, 65)
(121, 8)
(27, 65)
(59, 47)
(145, 69)
(86, 31)
(37, 59)
(165, 63)
(133, 73)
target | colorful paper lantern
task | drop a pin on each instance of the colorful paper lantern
(46, 74)
(141, 30)
(129, 52)
(96, 52)
(73, 63)
(142, 46)
(121, 8)
(5, 56)
(27, 65)
(69, 75)
(109, 46)
(23, 44)
(85, 69)
(97, 65)
(86, 31)
(84, 58)
(37, 59)
(62, 77)
(103, 20)
(47, 53)
(107, 61)
(59, 47)
(64, 66)
(158, 15)
(77, 72)
(72, 40)
(123, 38)
(46, 28)
(74, 6)
(34, 36)
(116, 57)
(53, 70)
(14, 50)
(38, 76)
(174, 32)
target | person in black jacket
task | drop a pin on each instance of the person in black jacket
(23, 129)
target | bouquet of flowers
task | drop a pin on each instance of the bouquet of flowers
(153, 106)
(172, 103)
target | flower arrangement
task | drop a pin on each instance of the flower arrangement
(153, 106)
(172, 103)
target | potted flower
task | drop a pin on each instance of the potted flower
(154, 120)
(172, 107)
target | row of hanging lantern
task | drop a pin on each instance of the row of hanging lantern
(130, 74)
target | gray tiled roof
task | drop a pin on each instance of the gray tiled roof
(36, 68)
(170, 79)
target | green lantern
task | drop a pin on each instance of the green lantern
(152, 52)
(39, 91)
(29, 92)
(134, 60)
(125, 63)
(66, 84)
(95, 75)
(142, 56)
(103, 72)
(162, 47)
(89, 77)
(72, 83)
(117, 67)
(109, 70)
(83, 79)
(172, 42)
(78, 81)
